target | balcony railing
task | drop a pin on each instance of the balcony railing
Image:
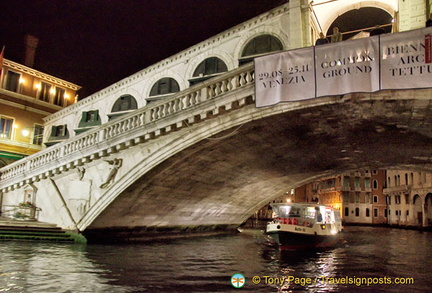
(132, 125)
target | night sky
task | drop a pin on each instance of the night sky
(95, 43)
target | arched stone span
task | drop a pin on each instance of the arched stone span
(256, 155)
(207, 156)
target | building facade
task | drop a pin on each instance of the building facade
(379, 206)
(371, 197)
(26, 97)
(357, 197)
(409, 198)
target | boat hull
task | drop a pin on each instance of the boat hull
(304, 225)
(296, 241)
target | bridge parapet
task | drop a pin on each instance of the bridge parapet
(178, 111)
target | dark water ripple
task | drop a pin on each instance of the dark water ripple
(207, 264)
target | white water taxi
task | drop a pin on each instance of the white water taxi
(304, 225)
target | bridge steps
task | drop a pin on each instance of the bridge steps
(28, 231)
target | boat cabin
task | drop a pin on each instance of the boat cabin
(304, 214)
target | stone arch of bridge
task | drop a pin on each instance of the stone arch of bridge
(222, 169)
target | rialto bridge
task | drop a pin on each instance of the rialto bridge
(206, 158)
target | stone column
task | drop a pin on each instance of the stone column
(412, 14)
(299, 25)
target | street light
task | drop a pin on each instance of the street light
(25, 132)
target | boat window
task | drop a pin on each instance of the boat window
(294, 212)
(310, 213)
(337, 216)
(329, 218)
(281, 211)
(287, 211)
(284, 210)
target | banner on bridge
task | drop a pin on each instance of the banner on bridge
(390, 61)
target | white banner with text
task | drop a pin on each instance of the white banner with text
(390, 61)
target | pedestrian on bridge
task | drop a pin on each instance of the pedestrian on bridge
(429, 21)
(321, 40)
(336, 36)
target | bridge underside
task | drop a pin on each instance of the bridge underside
(219, 182)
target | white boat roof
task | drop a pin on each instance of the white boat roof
(300, 204)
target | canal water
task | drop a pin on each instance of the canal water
(371, 259)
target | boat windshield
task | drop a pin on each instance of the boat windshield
(293, 211)
(314, 213)
(286, 211)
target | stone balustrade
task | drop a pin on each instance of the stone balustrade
(138, 126)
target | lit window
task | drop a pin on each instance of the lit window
(59, 96)
(12, 81)
(6, 127)
(44, 92)
(37, 134)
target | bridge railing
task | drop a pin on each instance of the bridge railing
(84, 144)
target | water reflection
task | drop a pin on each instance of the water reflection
(207, 264)
(50, 267)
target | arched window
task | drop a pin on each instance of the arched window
(164, 86)
(375, 184)
(124, 103)
(260, 45)
(367, 213)
(346, 212)
(208, 68)
(357, 212)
